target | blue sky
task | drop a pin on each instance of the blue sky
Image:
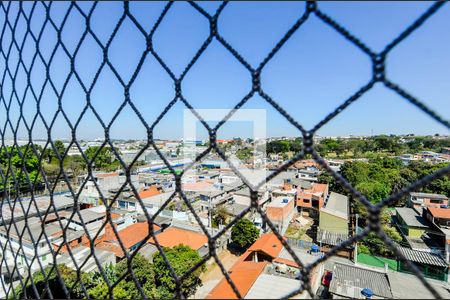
(316, 70)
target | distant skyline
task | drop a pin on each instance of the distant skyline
(313, 73)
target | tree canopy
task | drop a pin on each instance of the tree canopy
(154, 278)
(244, 233)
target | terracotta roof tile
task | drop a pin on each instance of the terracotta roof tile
(268, 243)
(129, 236)
(102, 175)
(197, 186)
(149, 192)
(440, 212)
(243, 274)
(173, 236)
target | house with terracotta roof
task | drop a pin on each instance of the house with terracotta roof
(102, 184)
(131, 237)
(423, 200)
(439, 220)
(438, 216)
(130, 203)
(265, 270)
(174, 236)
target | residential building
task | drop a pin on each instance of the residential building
(410, 222)
(431, 265)
(25, 243)
(420, 200)
(309, 175)
(102, 187)
(409, 286)
(83, 256)
(242, 197)
(335, 165)
(86, 219)
(312, 199)
(174, 236)
(438, 216)
(265, 270)
(407, 159)
(334, 216)
(35, 207)
(334, 224)
(280, 212)
(131, 237)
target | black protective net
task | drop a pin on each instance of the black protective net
(21, 53)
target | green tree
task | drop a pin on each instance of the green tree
(244, 233)
(182, 258)
(56, 289)
(104, 159)
(23, 165)
(244, 153)
(220, 215)
(375, 191)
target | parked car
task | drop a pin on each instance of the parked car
(326, 279)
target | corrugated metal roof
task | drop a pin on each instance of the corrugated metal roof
(81, 254)
(422, 257)
(349, 281)
(331, 238)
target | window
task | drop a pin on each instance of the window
(435, 201)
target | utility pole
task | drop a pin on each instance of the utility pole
(356, 243)
(210, 214)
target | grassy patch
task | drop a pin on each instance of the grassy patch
(376, 261)
(298, 233)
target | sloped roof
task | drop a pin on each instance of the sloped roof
(429, 195)
(267, 243)
(337, 205)
(243, 274)
(349, 281)
(174, 236)
(411, 217)
(129, 237)
(440, 212)
(149, 192)
(422, 257)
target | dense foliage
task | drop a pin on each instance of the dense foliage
(20, 169)
(244, 233)
(373, 146)
(154, 278)
(379, 178)
(103, 159)
(282, 146)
